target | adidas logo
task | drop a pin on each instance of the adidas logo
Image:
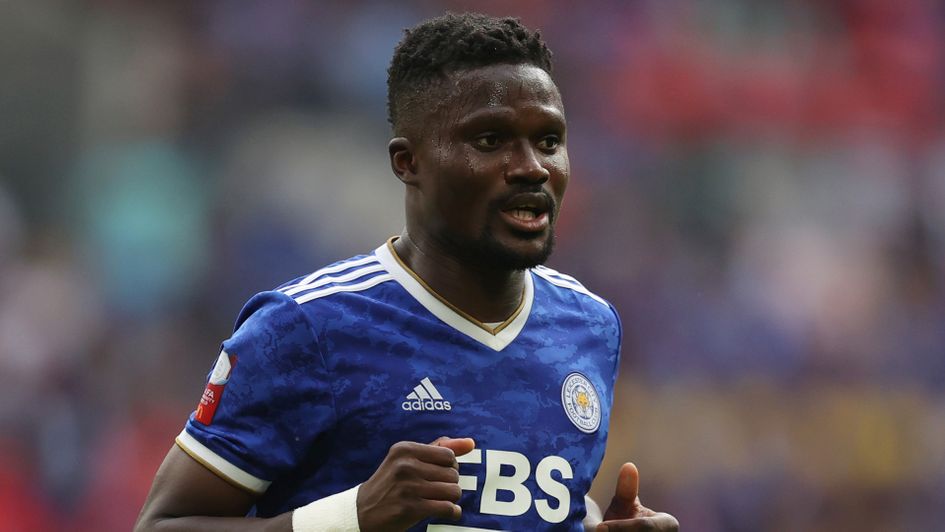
(425, 396)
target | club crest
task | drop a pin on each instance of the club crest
(581, 402)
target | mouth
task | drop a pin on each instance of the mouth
(528, 212)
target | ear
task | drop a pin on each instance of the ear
(403, 160)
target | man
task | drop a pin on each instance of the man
(312, 414)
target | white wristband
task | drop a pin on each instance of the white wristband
(594, 515)
(335, 513)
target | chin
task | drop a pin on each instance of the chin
(521, 255)
(511, 252)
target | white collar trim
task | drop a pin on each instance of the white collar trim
(497, 341)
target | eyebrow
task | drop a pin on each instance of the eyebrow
(505, 113)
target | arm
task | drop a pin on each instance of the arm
(414, 482)
(186, 495)
(626, 513)
(276, 344)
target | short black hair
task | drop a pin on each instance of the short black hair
(439, 46)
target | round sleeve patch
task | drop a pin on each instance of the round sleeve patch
(581, 402)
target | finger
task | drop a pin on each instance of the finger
(460, 446)
(638, 524)
(439, 491)
(431, 454)
(436, 473)
(628, 483)
(622, 506)
(661, 522)
(442, 509)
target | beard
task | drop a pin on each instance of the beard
(488, 252)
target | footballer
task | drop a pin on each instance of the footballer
(446, 381)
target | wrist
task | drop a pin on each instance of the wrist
(593, 517)
(335, 513)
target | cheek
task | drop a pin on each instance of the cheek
(560, 169)
(461, 193)
(468, 176)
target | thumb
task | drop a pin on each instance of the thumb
(628, 482)
(622, 506)
(460, 446)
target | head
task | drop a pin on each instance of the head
(479, 139)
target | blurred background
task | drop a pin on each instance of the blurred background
(758, 186)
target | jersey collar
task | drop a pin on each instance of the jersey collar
(496, 338)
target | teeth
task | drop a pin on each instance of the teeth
(522, 214)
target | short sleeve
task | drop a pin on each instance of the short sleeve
(618, 348)
(267, 399)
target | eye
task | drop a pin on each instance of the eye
(549, 143)
(487, 141)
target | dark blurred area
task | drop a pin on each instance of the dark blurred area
(758, 186)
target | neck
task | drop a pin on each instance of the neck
(486, 295)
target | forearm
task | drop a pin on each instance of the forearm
(281, 523)
(335, 513)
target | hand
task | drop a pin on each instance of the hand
(414, 482)
(627, 514)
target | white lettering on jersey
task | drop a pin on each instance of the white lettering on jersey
(553, 488)
(521, 497)
(468, 482)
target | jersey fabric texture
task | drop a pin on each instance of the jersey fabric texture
(325, 373)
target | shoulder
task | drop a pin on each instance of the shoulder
(287, 302)
(569, 292)
(567, 286)
(354, 290)
(565, 302)
(356, 274)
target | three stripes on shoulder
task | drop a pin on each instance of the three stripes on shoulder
(361, 274)
(566, 281)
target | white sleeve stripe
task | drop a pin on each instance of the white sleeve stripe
(361, 272)
(344, 288)
(333, 269)
(565, 284)
(552, 275)
(220, 465)
(557, 274)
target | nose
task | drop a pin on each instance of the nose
(525, 165)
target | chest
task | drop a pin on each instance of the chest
(538, 409)
(423, 381)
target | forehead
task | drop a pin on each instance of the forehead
(501, 86)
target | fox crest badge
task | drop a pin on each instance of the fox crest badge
(581, 402)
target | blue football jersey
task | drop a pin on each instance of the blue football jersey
(325, 373)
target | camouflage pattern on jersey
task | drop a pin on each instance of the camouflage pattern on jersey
(330, 370)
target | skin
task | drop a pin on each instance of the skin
(496, 141)
(500, 132)
(415, 481)
(626, 513)
(503, 132)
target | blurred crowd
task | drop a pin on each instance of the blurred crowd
(757, 185)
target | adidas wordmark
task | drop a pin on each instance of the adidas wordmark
(425, 396)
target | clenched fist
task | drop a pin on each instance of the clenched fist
(414, 482)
